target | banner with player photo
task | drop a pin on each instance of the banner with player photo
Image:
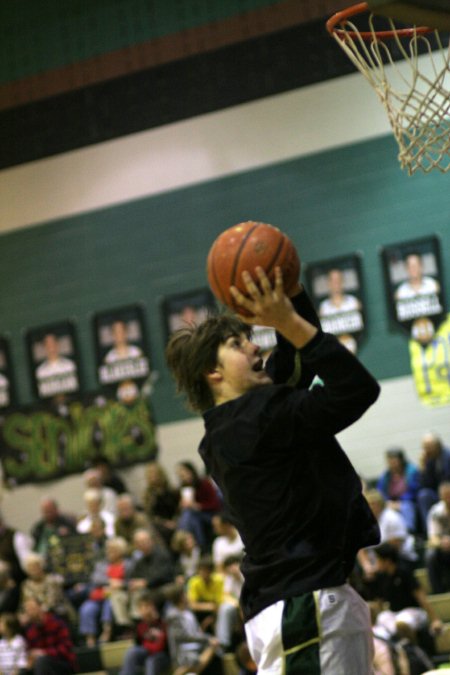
(335, 287)
(46, 442)
(121, 347)
(53, 360)
(6, 380)
(185, 309)
(414, 287)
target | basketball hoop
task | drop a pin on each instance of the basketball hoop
(414, 90)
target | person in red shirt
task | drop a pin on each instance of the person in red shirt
(50, 648)
(200, 501)
(151, 648)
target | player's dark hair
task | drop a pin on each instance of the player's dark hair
(191, 354)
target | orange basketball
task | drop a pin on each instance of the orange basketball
(244, 247)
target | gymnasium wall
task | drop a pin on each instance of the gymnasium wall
(132, 220)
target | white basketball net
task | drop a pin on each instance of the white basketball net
(414, 91)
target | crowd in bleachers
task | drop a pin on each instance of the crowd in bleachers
(163, 568)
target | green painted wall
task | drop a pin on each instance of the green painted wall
(333, 203)
(41, 35)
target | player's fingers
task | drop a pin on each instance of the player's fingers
(243, 302)
(250, 285)
(240, 298)
(264, 280)
(278, 285)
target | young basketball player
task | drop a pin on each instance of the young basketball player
(290, 489)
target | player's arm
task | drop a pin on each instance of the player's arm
(349, 388)
(284, 364)
(270, 306)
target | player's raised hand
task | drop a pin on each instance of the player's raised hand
(268, 305)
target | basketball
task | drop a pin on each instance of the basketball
(244, 247)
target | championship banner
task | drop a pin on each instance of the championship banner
(53, 360)
(46, 443)
(430, 365)
(335, 287)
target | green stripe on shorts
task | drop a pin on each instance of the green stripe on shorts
(300, 634)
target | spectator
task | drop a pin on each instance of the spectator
(150, 651)
(152, 570)
(205, 594)
(14, 547)
(13, 648)
(244, 660)
(199, 501)
(434, 464)
(408, 603)
(46, 589)
(93, 479)
(128, 519)
(97, 533)
(233, 579)
(227, 542)
(9, 590)
(51, 524)
(108, 598)
(161, 501)
(399, 485)
(50, 648)
(438, 553)
(110, 477)
(187, 552)
(393, 530)
(79, 592)
(190, 648)
(94, 506)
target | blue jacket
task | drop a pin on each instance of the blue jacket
(412, 476)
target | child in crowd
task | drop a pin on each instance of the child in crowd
(151, 648)
(187, 552)
(191, 649)
(13, 647)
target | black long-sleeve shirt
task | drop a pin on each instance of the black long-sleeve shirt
(289, 487)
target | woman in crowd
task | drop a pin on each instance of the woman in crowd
(107, 603)
(399, 485)
(199, 501)
(161, 501)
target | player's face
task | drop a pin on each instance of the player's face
(51, 347)
(335, 281)
(240, 363)
(414, 267)
(119, 332)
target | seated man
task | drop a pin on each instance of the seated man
(408, 603)
(438, 553)
(52, 523)
(152, 570)
(393, 531)
(434, 466)
(128, 519)
(50, 648)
